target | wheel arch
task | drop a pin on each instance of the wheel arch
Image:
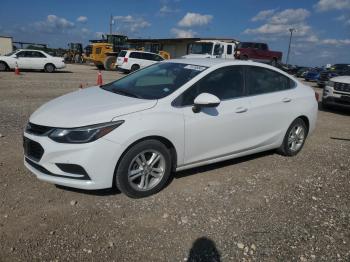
(161, 139)
(6, 64)
(306, 121)
(50, 63)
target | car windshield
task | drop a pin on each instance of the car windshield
(201, 48)
(9, 54)
(156, 81)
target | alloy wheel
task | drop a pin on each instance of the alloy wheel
(296, 138)
(146, 170)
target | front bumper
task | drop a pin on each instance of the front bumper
(336, 98)
(98, 159)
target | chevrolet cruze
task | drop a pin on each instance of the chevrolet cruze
(135, 132)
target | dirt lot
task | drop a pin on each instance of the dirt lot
(260, 208)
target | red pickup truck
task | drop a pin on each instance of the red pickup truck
(258, 52)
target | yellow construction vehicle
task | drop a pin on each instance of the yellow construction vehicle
(103, 53)
(74, 53)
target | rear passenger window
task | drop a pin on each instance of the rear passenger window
(147, 56)
(262, 80)
(136, 55)
(38, 54)
(225, 83)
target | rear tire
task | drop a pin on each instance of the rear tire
(294, 139)
(134, 68)
(137, 176)
(49, 68)
(3, 66)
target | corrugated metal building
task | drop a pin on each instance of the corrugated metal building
(6, 45)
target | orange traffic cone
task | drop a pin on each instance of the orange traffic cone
(17, 70)
(99, 78)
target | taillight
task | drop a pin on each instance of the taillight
(125, 60)
(317, 96)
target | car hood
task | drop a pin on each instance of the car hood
(341, 79)
(87, 107)
(197, 56)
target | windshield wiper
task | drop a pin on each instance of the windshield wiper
(126, 93)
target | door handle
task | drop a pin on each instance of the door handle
(286, 100)
(241, 109)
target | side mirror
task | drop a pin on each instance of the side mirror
(205, 100)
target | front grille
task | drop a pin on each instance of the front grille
(37, 129)
(342, 87)
(32, 149)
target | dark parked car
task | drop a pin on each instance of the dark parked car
(301, 71)
(313, 74)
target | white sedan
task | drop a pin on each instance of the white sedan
(31, 59)
(178, 114)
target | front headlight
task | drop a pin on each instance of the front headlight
(330, 83)
(84, 134)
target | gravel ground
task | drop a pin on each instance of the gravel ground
(259, 208)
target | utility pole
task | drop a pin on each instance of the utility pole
(291, 30)
(111, 22)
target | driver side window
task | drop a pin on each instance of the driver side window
(225, 83)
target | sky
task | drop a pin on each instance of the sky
(322, 33)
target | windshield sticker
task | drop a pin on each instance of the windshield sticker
(195, 67)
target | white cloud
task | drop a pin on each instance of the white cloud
(195, 19)
(53, 24)
(289, 16)
(82, 19)
(263, 15)
(130, 23)
(343, 18)
(279, 23)
(180, 33)
(280, 29)
(337, 42)
(310, 39)
(326, 5)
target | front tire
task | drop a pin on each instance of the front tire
(49, 68)
(144, 169)
(109, 63)
(294, 139)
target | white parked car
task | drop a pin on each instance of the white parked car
(337, 92)
(129, 61)
(31, 59)
(174, 115)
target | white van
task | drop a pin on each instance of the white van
(129, 61)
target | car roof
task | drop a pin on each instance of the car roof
(29, 50)
(210, 62)
(138, 51)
